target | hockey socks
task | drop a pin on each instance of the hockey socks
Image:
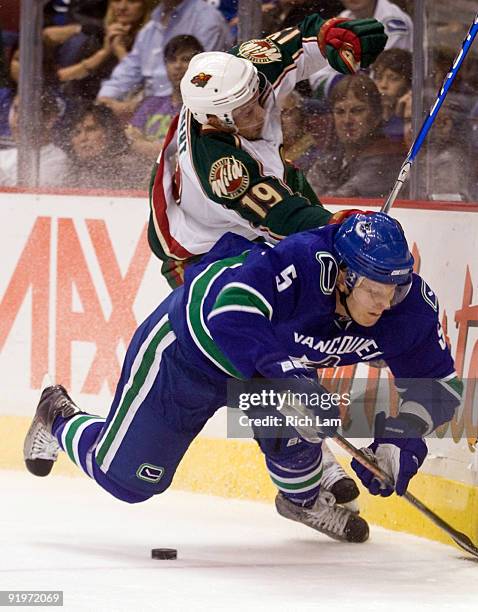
(77, 436)
(298, 477)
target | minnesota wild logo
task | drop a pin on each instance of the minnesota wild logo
(201, 79)
(228, 178)
(260, 51)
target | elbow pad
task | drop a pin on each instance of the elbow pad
(433, 401)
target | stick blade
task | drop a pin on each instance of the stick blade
(464, 542)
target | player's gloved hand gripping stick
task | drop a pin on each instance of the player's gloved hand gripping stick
(398, 449)
(417, 143)
(461, 539)
(386, 484)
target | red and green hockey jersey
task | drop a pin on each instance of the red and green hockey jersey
(207, 182)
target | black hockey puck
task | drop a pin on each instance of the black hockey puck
(164, 553)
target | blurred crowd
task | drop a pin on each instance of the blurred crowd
(111, 74)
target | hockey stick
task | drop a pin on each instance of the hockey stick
(461, 539)
(417, 143)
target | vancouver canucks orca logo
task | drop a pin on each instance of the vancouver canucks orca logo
(364, 229)
(201, 79)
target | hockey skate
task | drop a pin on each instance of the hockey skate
(40, 449)
(326, 516)
(337, 481)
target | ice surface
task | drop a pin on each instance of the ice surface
(66, 534)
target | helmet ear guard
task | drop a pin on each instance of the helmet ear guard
(217, 83)
(351, 278)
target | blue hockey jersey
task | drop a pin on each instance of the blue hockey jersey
(264, 305)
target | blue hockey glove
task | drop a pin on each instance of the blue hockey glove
(397, 450)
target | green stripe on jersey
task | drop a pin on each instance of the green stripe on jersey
(139, 378)
(198, 293)
(455, 385)
(241, 295)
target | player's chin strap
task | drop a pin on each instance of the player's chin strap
(343, 300)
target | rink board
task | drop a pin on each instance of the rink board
(77, 276)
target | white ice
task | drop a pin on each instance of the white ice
(61, 533)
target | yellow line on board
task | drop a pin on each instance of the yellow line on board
(235, 468)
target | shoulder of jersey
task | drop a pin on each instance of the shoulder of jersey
(314, 256)
(266, 56)
(421, 300)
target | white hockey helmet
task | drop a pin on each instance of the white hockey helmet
(216, 83)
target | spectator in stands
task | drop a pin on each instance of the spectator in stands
(228, 8)
(10, 25)
(63, 12)
(398, 27)
(56, 12)
(88, 12)
(280, 14)
(392, 74)
(6, 96)
(52, 159)
(363, 162)
(448, 170)
(404, 110)
(300, 145)
(463, 90)
(88, 53)
(144, 66)
(49, 78)
(151, 120)
(98, 151)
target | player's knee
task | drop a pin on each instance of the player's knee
(130, 490)
(132, 497)
(135, 497)
(123, 493)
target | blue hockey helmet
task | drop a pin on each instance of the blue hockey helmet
(374, 246)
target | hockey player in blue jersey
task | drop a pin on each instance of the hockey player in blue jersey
(337, 295)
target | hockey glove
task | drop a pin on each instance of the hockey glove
(397, 451)
(349, 44)
(341, 215)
